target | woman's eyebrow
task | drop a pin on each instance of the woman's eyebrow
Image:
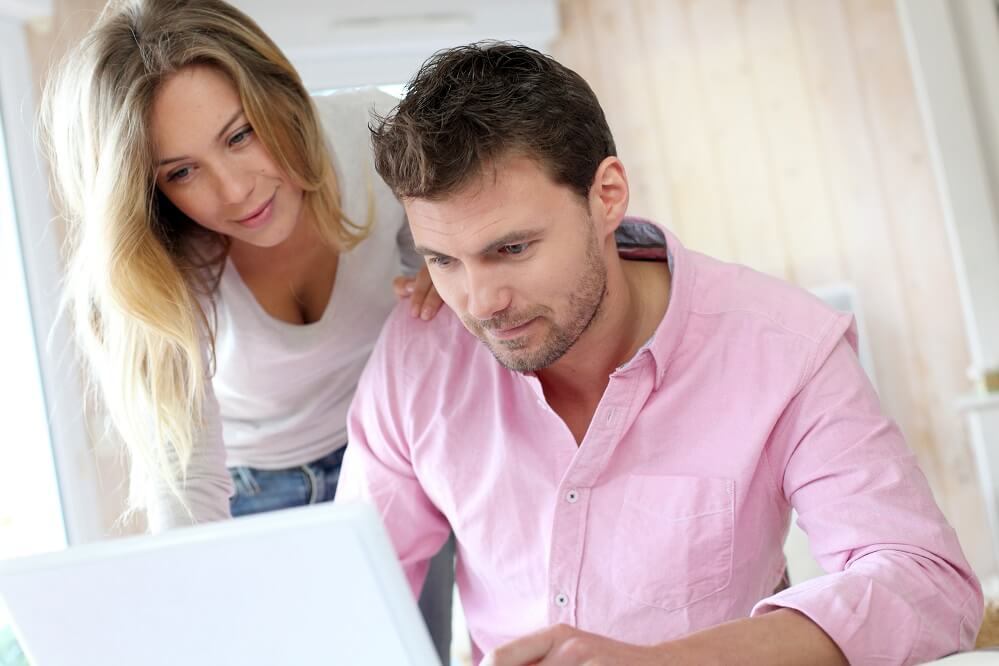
(225, 128)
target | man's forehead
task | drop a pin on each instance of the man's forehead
(433, 224)
(514, 195)
(501, 185)
(471, 212)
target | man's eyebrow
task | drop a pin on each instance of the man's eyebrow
(427, 252)
(225, 128)
(511, 238)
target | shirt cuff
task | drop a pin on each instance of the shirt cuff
(870, 623)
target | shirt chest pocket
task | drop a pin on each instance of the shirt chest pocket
(673, 540)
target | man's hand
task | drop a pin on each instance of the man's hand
(425, 301)
(783, 637)
(562, 645)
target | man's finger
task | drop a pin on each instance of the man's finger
(403, 286)
(431, 305)
(525, 651)
(422, 280)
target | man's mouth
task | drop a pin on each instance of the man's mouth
(510, 332)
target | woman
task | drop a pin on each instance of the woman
(228, 272)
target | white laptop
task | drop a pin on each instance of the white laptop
(314, 585)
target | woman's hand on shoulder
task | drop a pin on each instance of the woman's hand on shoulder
(425, 302)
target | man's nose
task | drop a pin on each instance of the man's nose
(487, 296)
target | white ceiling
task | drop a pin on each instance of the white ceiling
(338, 43)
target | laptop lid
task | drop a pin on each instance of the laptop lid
(312, 585)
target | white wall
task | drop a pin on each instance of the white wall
(342, 43)
(25, 9)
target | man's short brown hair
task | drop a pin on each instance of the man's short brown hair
(471, 105)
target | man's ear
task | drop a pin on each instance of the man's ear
(609, 194)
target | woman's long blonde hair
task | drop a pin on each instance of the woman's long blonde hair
(136, 286)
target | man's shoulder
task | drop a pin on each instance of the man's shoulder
(725, 289)
(417, 346)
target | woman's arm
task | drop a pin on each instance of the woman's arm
(425, 302)
(204, 491)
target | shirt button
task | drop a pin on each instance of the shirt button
(561, 600)
(572, 496)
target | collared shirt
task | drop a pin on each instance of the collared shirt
(671, 514)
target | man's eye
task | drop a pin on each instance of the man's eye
(441, 262)
(515, 249)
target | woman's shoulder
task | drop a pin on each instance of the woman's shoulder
(346, 116)
(353, 104)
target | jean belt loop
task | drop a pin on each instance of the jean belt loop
(250, 481)
(315, 483)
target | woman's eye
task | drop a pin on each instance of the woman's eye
(179, 174)
(515, 249)
(241, 136)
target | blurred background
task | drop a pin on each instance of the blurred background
(848, 146)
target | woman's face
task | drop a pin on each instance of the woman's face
(213, 167)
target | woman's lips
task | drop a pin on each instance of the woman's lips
(260, 217)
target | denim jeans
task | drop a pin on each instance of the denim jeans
(259, 490)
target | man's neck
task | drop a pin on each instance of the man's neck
(634, 304)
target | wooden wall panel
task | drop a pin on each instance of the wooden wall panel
(786, 136)
(753, 223)
(812, 242)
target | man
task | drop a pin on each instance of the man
(617, 428)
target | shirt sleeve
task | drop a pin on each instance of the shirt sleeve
(411, 261)
(207, 487)
(899, 589)
(382, 104)
(378, 466)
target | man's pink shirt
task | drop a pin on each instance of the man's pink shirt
(671, 514)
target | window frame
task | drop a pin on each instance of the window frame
(949, 47)
(62, 388)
